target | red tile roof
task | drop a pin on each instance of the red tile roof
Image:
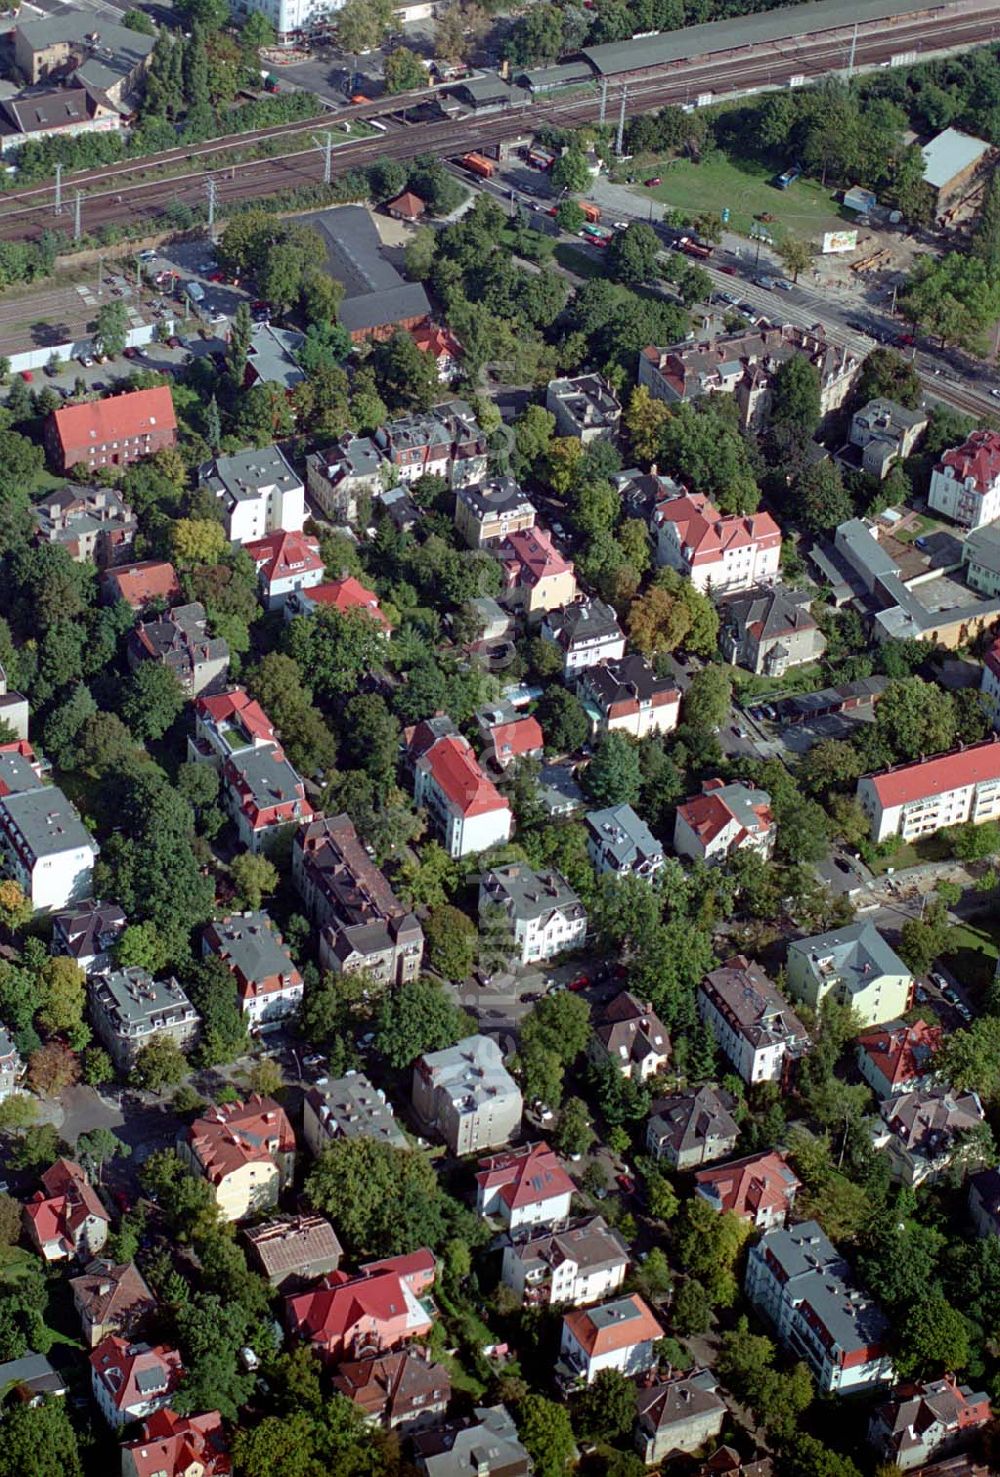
(535, 554)
(902, 1053)
(748, 1186)
(281, 555)
(523, 736)
(119, 1366)
(459, 778)
(138, 584)
(116, 418)
(58, 1212)
(527, 1176)
(348, 594)
(938, 775)
(440, 342)
(377, 1306)
(172, 1444)
(977, 460)
(234, 1134)
(236, 704)
(630, 1323)
(407, 204)
(706, 534)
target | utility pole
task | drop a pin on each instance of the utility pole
(76, 216)
(854, 47)
(326, 144)
(210, 191)
(100, 277)
(59, 189)
(604, 99)
(620, 140)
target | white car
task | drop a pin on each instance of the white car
(621, 225)
(995, 394)
(220, 317)
(148, 256)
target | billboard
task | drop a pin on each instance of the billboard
(839, 241)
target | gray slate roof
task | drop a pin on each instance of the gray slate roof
(376, 309)
(239, 478)
(250, 945)
(48, 822)
(528, 894)
(816, 1273)
(857, 954)
(618, 830)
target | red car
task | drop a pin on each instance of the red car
(131, 353)
(905, 340)
(626, 1183)
(580, 983)
(729, 271)
(216, 276)
(653, 182)
(26, 374)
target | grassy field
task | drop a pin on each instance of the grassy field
(932, 848)
(916, 528)
(744, 188)
(577, 261)
(973, 949)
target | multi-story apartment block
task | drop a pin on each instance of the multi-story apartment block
(446, 442)
(244, 1151)
(487, 512)
(681, 1414)
(767, 631)
(465, 807)
(90, 523)
(720, 553)
(343, 480)
(798, 1280)
(466, 1094)
(723, 819)
(263, 795)
(587, 633)
(544, 914)
(753, 1025)
(627, 697)
(965, 483)
(129, 1008)
(257, 491)
(580, 1262)
(537, 578)
(620, 842)
(179, 640)
(585, 407)
(88, 933)
(45, 847)
(268, 983)
(618, 1335)
(856, 967)
(744, 365)
(954, 789)
(111, 432)
(362, 923)
(348, 1107)
(981, 561)
(882, 432)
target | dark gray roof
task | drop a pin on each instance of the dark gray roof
(240, 477)
(853, 956)
(775, 611)
(376, 309)
(89, 927)
(267, 774)
(351, 1108)
(47, 821)
(743, 31)
(131, 1000)
(814, 1272)
(689, 1118)
(114, 53)
(623, 833)
(530, 894)
(57, 109)
(251, 945)
(590, 1243)
(982, 547)
(500, 495)
(662, 1406)
(33, 1370)
(582, 621)
(354, 250)
(563, 74)
(17, 774)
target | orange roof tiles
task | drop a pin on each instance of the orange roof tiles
(460, 779)
(938, 775)
(115, 418)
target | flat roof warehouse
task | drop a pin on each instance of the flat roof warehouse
(621, 57)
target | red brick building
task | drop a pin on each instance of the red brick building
(111, 432)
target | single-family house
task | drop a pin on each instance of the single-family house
(31, 1379)
(692, 1128)
(925, 1420)
(881, 433)
(345, 594)
(367, 1313)
(174, 1445)
(630, 1035)
(485, 1442)
(131, 1381)
(922, 1130)
(527, 1186)
(403, 1390)
(723, 819)
(294, 1250)
(620, 842)
(760, 1189)
(679, 1414)
(88, 932)
(443, 347)
(93, 524)
(897, 1057)
(111, 1299)
(509, 736)
(465, 807)
(585, 408)
(617, 1335)
(577, 1263)
(627, 696)
(767, 630)
(12, 1067)
(984, 1202)
(587, 633)
(179, 639)
(537, 578)
(244, 1151)
(140, 584)
(66, 1218)
(286, 562)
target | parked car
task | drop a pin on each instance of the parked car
(652, 182)
(131, 353)
(625, 1182)
(27, 375)
(580, 983)
(148, 256)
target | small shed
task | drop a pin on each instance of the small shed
(406, 207)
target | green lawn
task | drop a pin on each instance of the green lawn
(805, 209)
(932, 848)
(575, 260)
(973, 949)
(917, 528)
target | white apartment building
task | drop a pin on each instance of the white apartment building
(576, 1264)
(587, 632)
(544, 913)
(965, 483)
(920, 798)
(619, 1335)
(721, 553)
(291, 19)
(45, 847)
(797, 1280)
(752, 1023)
(466, 1094)
(466, 807)
(989, 684)
(258, 493)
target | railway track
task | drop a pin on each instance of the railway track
(24, 214)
